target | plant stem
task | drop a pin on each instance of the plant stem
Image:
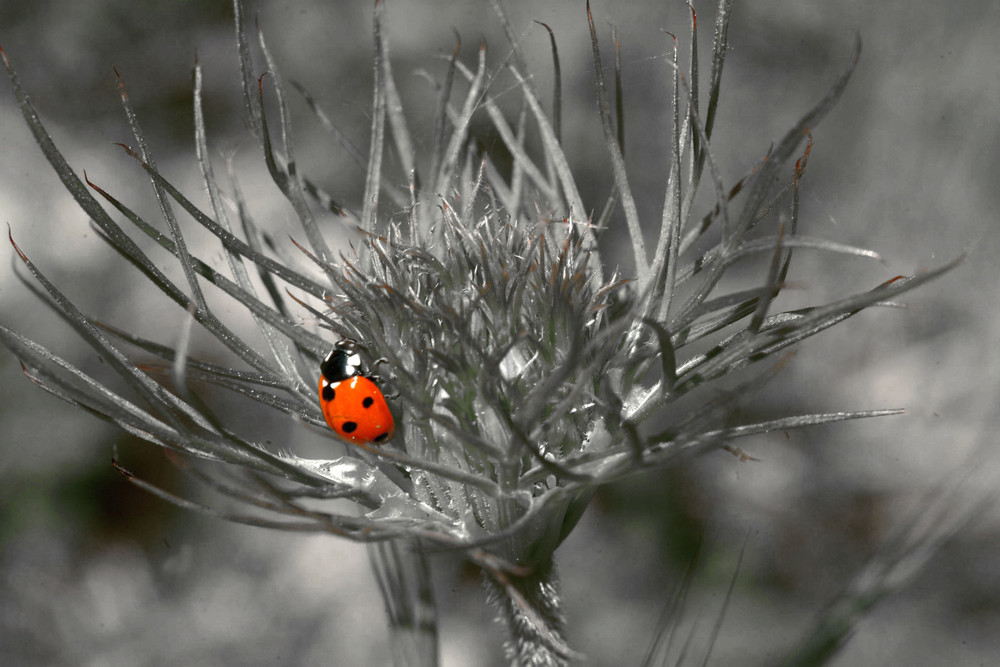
(530, 608)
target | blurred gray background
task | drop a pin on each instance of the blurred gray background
(98, 573)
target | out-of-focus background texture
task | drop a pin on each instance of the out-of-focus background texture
(95, 572)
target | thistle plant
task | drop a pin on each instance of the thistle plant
(524, 368)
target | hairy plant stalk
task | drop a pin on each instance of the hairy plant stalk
(530, 608)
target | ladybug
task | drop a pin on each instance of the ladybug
(352, 403)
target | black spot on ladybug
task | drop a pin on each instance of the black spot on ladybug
(381, 437)
(367, 402)
(328, 393)
(349, 427)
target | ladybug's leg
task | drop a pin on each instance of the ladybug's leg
(375, 366)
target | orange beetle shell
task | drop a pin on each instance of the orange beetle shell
(356, 409)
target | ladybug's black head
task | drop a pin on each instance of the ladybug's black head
(342, 363)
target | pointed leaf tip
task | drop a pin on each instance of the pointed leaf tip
(122, 90)
(122, 470)
(10, 235)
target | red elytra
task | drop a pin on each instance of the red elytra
(352, 403)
